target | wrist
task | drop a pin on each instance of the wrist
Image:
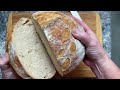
(102, 60)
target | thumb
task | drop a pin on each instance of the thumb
(81, 36)
(4, 60)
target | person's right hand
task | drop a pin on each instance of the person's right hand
(95, 54)
(96, 57)
(94, 51)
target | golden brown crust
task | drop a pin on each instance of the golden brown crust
(66, 64)
(72, 48)
(8, 37)
(57, 28)
(46, 18)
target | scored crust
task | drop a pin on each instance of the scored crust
(57, 28)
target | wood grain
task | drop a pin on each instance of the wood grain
(92, 19)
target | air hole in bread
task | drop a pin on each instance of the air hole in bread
(30, 51)
(45, 76)
(30, 24)
(21, 55)
(26, 22)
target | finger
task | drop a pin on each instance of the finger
(9, 74)
(4, 67)
(84, 25)
(81, 36)
(4, 60)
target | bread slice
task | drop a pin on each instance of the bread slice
(30, 51)
(54, 29)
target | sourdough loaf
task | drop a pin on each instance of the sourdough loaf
(28, 55)
(65, 51)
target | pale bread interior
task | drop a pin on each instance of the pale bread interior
(30, 50)
(47, 46)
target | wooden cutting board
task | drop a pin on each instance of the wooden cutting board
(92, 19)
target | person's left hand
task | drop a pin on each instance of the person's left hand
(6, 70)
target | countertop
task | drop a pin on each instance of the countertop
(105, 20)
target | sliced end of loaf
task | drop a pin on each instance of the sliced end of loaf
(46, 44)
(30, 50)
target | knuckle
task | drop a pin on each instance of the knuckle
(83, 35)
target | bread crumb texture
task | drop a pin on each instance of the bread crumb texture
(30, 50)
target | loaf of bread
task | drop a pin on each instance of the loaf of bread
(28, 55)
(54, 29)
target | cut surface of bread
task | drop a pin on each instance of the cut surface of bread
(65, 51)
(30, 51)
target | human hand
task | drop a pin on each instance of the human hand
(96, 57)
(94, 51)
(6, 70)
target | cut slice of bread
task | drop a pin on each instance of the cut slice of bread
(30, 51)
